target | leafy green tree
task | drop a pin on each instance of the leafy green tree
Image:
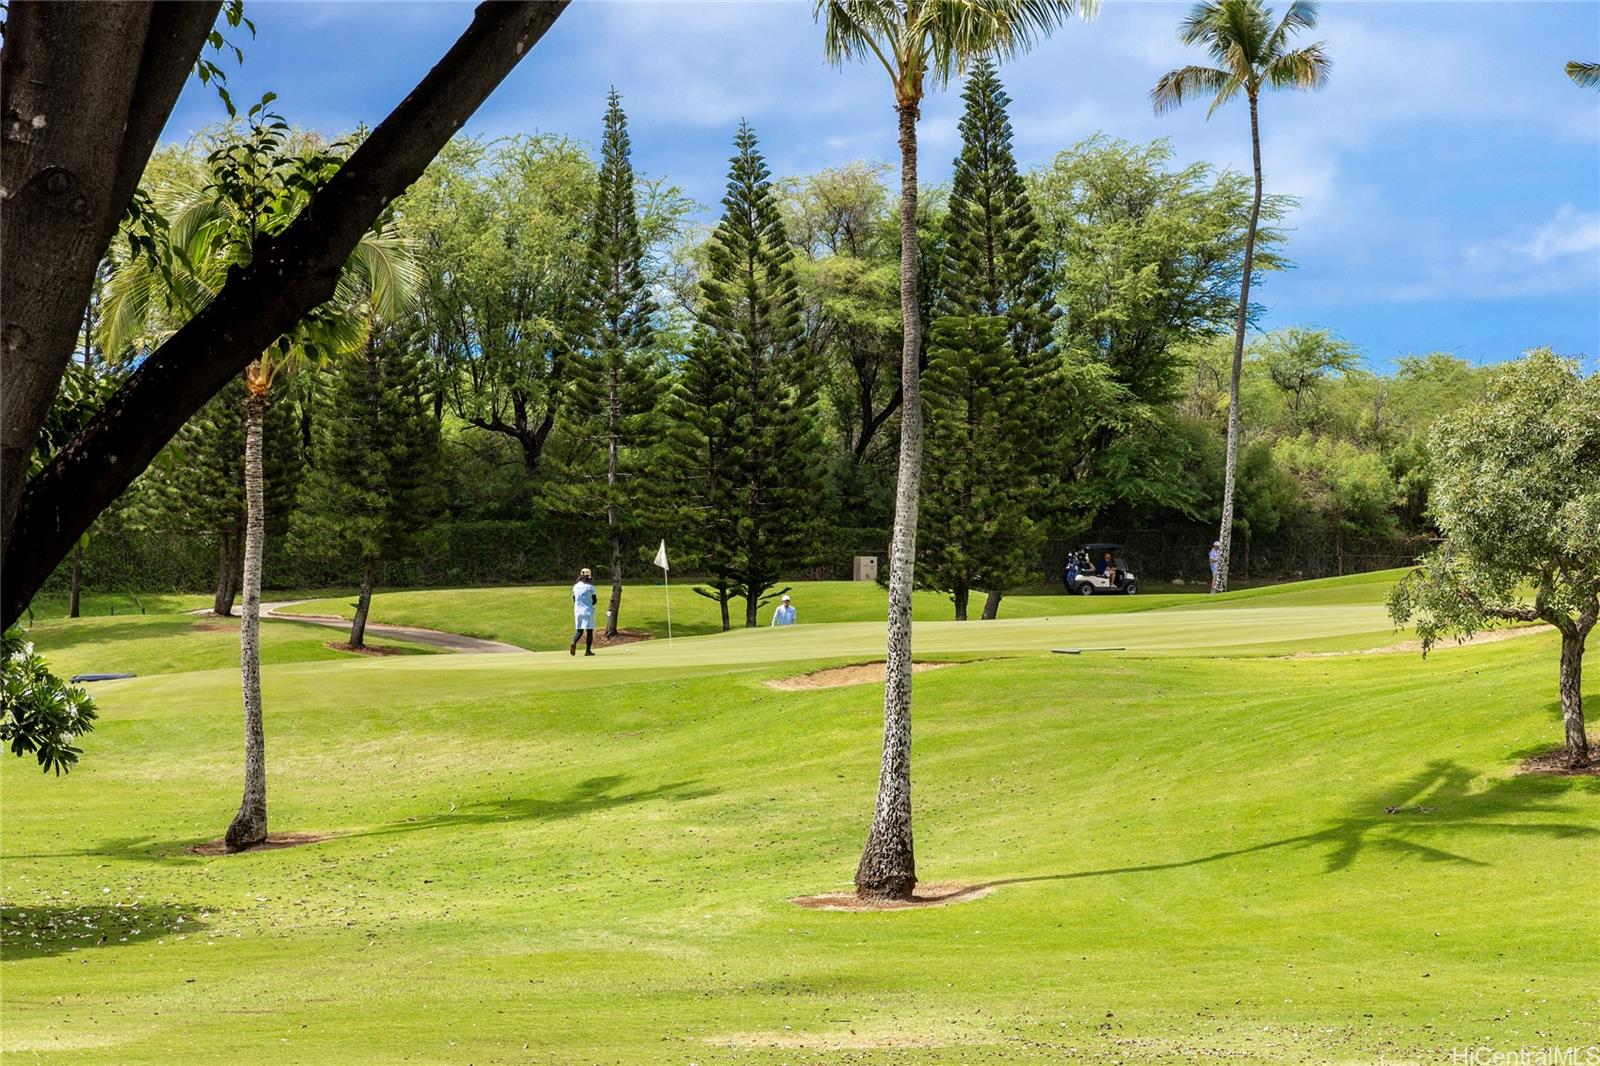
(849, 274)
(373, 484)
(1300, 361)
(503, 227)
(1252, 53)
(750, 310)
(619, 380)
(1346, 489)
(991, 370)
(40, 715)
(1147, 257)
(913, 41)
(1517, 497)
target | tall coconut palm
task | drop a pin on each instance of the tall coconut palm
(249, 188)
(916, 42)
(1252, 52)
(1586, 75)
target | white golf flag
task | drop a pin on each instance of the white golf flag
(661, 555)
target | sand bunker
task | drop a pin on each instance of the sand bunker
(1491, 636)
(839, 676)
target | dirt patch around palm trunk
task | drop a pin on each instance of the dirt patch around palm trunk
(365, 649)
(273, 842)
(840, 676)
(931, 894)
(624, 636)
(1554, 763)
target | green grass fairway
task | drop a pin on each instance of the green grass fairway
(539, 617)
(1200, 847)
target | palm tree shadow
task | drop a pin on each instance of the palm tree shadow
(587, 797)
(1408, 819)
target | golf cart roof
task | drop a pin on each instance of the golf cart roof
(1101, 547)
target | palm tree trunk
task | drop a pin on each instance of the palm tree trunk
(613, 416)
(77, 579)
(227, 576)
(1572, 642)
(991, 606)
(888, 868)
(1225, 536)
(358, 627)
(249, 826)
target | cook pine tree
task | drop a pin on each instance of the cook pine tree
(618, 386)
(373, 484)
(757, 386)
(991, 377)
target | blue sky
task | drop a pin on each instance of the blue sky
(1449, 175)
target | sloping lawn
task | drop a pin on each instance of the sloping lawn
(539, 860)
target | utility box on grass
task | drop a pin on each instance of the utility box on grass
(865, 568)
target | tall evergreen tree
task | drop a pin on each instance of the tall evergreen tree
(618, 384)
(702, 465)
(992, 369)
(750, 338)
(373, 484)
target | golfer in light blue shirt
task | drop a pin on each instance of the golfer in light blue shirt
(784, 615)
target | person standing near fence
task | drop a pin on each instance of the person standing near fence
(583, 603)
(1214, 558)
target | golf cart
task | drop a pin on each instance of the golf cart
(1088, 571)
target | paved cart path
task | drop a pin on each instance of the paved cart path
(432, 637)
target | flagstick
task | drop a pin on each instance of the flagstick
(667, 578)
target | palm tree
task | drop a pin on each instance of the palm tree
(916, 41)
(249, 188)
(1587, 75)
(1252, 53)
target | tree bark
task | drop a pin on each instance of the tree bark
(84, 92)
(227, 576)
(722, 601)
(1225, 537)
(1572, 642)
(991, 606)
(288, 277)
(358, 627)
(249, 826)
(77, 580)
(959, 596)
(888, 868)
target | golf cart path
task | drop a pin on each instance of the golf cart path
(416, 635)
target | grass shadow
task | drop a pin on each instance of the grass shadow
(36, 932)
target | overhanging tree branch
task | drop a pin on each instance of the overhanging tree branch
(287, 278)
(84, 91)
